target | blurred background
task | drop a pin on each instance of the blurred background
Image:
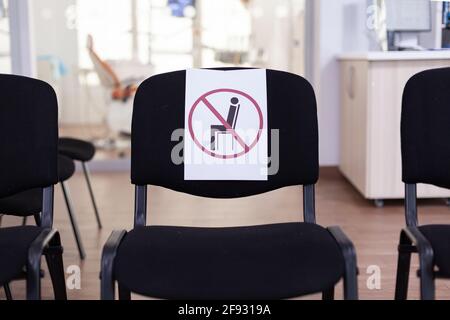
(95, 53)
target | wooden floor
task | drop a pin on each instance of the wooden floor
(374, 231)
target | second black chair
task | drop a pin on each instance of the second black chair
(426, 159)
(276, 261)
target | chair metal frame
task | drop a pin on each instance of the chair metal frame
(86, 173)
(412, 241)
(72, 217)
(69, 205)
(111, 247)
(73, 220)
(47, 243)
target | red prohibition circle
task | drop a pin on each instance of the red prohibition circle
(222, 156)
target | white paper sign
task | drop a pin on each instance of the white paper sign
(226, 125)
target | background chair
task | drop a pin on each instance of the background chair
(28, 160)
(29, 202)
(256, 262)
(82, 151)
(425, 135)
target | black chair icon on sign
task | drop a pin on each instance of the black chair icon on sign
(233, 114)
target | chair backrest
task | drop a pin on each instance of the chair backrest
(159, 109)
(28, 134)
(425, 128)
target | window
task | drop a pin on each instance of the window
(110, 26)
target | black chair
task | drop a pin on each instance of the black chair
(260, 262)
(29, 202)
(425, 136)
(28, 160)
(82, 151)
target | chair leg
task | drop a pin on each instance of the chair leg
(53, 256)
(328, 295)
(350, 277)
(403, 268)
(34, 282)
(107, 285)
(350, 264)
(107, 264)
(8, 293)
(91, 193)
(351, 285)
(427, 285)
(37, 219)
(73, 221)
(124, 293)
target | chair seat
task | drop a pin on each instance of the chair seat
(66, 168)
(262, 262)
(439, 238)
(14, 244)
(23, 204)
(76, 149)
(28, 203)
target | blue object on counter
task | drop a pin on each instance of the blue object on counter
(177, 6)
(58, 66)
(446, 15)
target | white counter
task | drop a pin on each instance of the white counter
(396, 55)
(372, 87)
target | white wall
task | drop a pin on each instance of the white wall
(21, 38)
(332, 26)
(55, 36)
(339, 26)
(41, 28)
(277, 30)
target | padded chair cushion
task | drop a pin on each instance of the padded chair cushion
(23, 204)
(29, 202)
(14, 244)
(66, 168)
(439, 237)
(76, 149)
(261, 262)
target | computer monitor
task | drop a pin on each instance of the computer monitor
(408, 15)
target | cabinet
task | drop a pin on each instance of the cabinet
(371, 96)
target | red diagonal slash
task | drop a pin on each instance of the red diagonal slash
(225, 124)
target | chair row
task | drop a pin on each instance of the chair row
(257, 262)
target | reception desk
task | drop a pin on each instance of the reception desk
(371, 97)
